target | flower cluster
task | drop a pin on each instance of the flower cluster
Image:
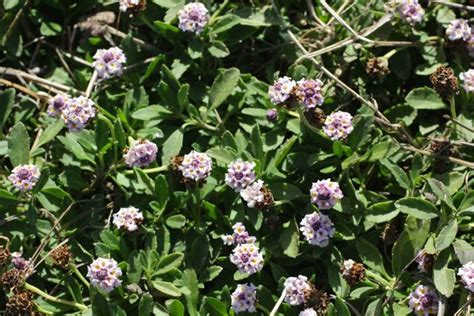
(352, 271)
(423, 301)
(247, 258)
(244, 298)
(296, 289)
(240, 174)
(325, 194)
(128, 218)
(193, 17)
(281, 90)
(466, 272)
(18, 261)
(257, 195)
(338, 125)
(104, 274)
(240, 236)
(468, 80)
(458, 29)
(124, 5)
(56, 105)
(141, 154)
(77, 113)
(196, 166)
(309, 92)
(424, 261)
(272, 115)
(24, 177)
(411, 11)
(317, 229)
(109, 62)
(308, 312)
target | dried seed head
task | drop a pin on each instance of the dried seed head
(4, 257)
(267, 199)
(444, 82)
(317, 300)
(442, 147)
(176, 163)
(315, 117)
(424, 260)
(377, 66)
(62, 256)
(352, 271)
(389, 233)
(13, 280)
(19, 304)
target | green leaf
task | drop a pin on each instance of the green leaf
(7, 99)
(285, 191)
(424, 99)
(417, 207)
(447, 235)
(176, 221)
(400, 176)
(440, 190)
(161, 191)
(283, 151)
(183, 97)
(176, 308)
(379, 151)
(223, 86)
(363, 125)
(169, 262)
(402, 253)
(444, 278)
(167, 288)
(289, 238)
(370, 255)
(172, 146)
(464, 251)
(49, 134)
(5, 195)
(49, 28)
(382, 212)
(213, 307)
(145, 307)
(151, 112)
(256, 142)
(218, 49)
(190, 282)
(19, 145)
(10, 4)
(210, 273)
(341, 307)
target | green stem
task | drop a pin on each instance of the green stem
(111, 126)
(43, 311)
(216, 14)
(54, 299)
(454, 116)
(78, 273)
(305, 121)
(379, 279)
(151, 170)
(263, 309)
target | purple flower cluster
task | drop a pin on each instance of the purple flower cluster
(423, 301)
(468, 80)
(281, 90)
(77, 113)
(18, 261)
(309, 92)
(128, 218)
(458, 29)
(240, 236)
(193, 17)
(196, 166)
(411, 11)
(124, 5)
(272, 115)
(247, 258)
(325, 194)
(296, 289)
(141, 154)
(317, 229)
(244, 298)
(338, 125)
(104, 274)
(24, 177)
(240, 174)
(253, 194)
(308, 312)
(466, 272)
(56, 105)
(109, 62)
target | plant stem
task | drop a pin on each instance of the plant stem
(54, 299)
(151, 170)
(452, 104)
(263, 309)
(379, 279)
(91, 84)
(78, 273)
(278, 303)
(111, 126)
(43, 311)
(218, 12)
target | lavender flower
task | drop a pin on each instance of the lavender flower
(24, 177)
(77, 113)
(104, 274)
(317, 229)
(458, 29)
(193, 17)
(338, 125)
(424, 261)
(423, 301)
(272, 115)
(244, 298)
(18, 261)
(466, 272)
(196, 166)
(411, 11)
(141, 154)
(296, 289)
(281, 90)
(56, 105)
(240, 236)
(109, 62)
(253, 194)
(468, 80)
(247, 258)
(128, 218)
(308, 312)
(308, 92)
(240, 174)
(124, 5)
(325, 193)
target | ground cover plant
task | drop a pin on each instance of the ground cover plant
(168, 157)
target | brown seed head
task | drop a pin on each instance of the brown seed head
(317, 300)
(62, 256)
(352, 272)
(19, 304)
(315, 117)
(13, 280)
(444, 82)
(377, 66)
(389, 233)
(267, 199)
(4, 257)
